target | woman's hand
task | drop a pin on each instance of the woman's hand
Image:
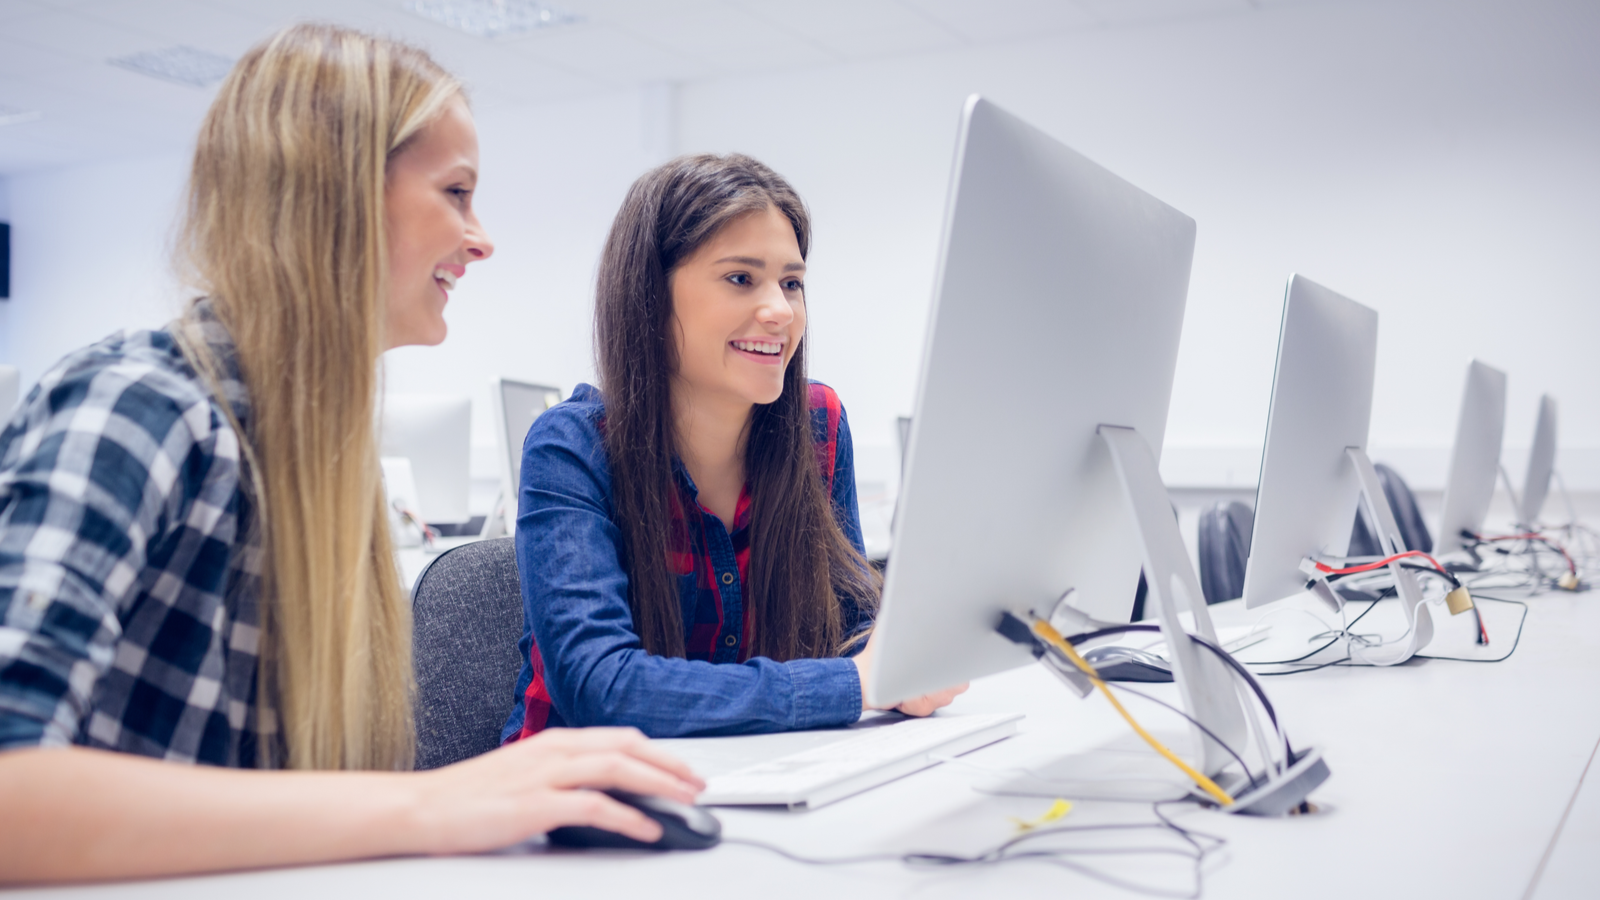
(916, 706)
(529, 787)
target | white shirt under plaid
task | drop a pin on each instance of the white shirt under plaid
(129, 575)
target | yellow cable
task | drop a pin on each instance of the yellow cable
(1044, 630)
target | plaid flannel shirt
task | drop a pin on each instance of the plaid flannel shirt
(129, 576)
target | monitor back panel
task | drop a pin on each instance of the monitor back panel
(1541, 463)
(1321, 403)
(1058, 307)
(1475, 459)
(520, 403)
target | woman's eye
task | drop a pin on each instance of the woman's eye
(794, 284)
(740, 278)
(461, 194)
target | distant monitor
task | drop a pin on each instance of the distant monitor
(434, 431)
(1541, 462)
(1321, 404)
(516, 405)
(1057, 309)
(1475, 459)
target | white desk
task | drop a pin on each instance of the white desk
(1449, 780)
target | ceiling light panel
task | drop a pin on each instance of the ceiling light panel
(181, 64)
(493, 18)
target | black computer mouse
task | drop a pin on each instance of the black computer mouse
(1114, 663)
(683, 827)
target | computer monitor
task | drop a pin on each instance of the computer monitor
(1475, 459)
(1057, 308)
(1541, 463)
(1315, 473)
(516, 405)
(434, 431)
(1308, 491)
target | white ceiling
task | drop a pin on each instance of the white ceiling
(53, 53)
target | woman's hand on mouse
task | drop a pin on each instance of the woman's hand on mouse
(546, 781)
(915, 706)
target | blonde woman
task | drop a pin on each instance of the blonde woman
(195, 571)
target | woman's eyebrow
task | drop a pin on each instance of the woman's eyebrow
(755, 263)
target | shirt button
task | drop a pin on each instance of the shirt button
(730, 640)
(727, 578)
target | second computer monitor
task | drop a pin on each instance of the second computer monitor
(1541, 464)
(1475, 459)
(1057, 309)
(1321, 404)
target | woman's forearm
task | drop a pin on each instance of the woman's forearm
(78, 814)
(75, 814)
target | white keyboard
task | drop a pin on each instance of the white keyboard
(862, 757)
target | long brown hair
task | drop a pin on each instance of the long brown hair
(801, 563)
(285, 232)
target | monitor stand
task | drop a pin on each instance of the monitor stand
(1381, 522)
(1204, 682)
(1210, 692)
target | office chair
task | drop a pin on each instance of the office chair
(1413, 531)
(1224, 546)
(466, 621)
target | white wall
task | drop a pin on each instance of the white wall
(1434, 160)
(553, 177)
(89, 250)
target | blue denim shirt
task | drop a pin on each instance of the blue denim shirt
(583, 664)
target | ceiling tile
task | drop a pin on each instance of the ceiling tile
(722, 37)
(999, 20)
(857, 29)
(1128, 12)
(192, 23)
(79, 36)
(608, 54)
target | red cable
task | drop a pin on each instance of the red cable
(1532, 536)
(1368, 567)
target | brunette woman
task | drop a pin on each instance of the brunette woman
(195, 568)
(688, 535)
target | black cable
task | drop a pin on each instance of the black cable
(1225, 656)
(1061, 856)
(1351, 663)
(1514, 641)
(1342, 632)
(1254, 781)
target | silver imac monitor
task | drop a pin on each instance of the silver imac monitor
(1321, 404)
(516, 405)
(1475, 459)
(1541, 463)
(1057, 309)
(434, 431)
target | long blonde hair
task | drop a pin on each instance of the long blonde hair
(285, 232)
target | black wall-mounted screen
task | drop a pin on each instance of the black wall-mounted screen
(5, 260)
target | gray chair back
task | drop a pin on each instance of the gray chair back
(1224, 546)
(466, 621)
(1403, 503)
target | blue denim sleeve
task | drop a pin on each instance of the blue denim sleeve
(847, 512)
(574, 591)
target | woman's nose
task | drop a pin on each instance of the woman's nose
(775, 307)
(478, 244)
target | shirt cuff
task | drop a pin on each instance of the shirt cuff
(827, 692)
